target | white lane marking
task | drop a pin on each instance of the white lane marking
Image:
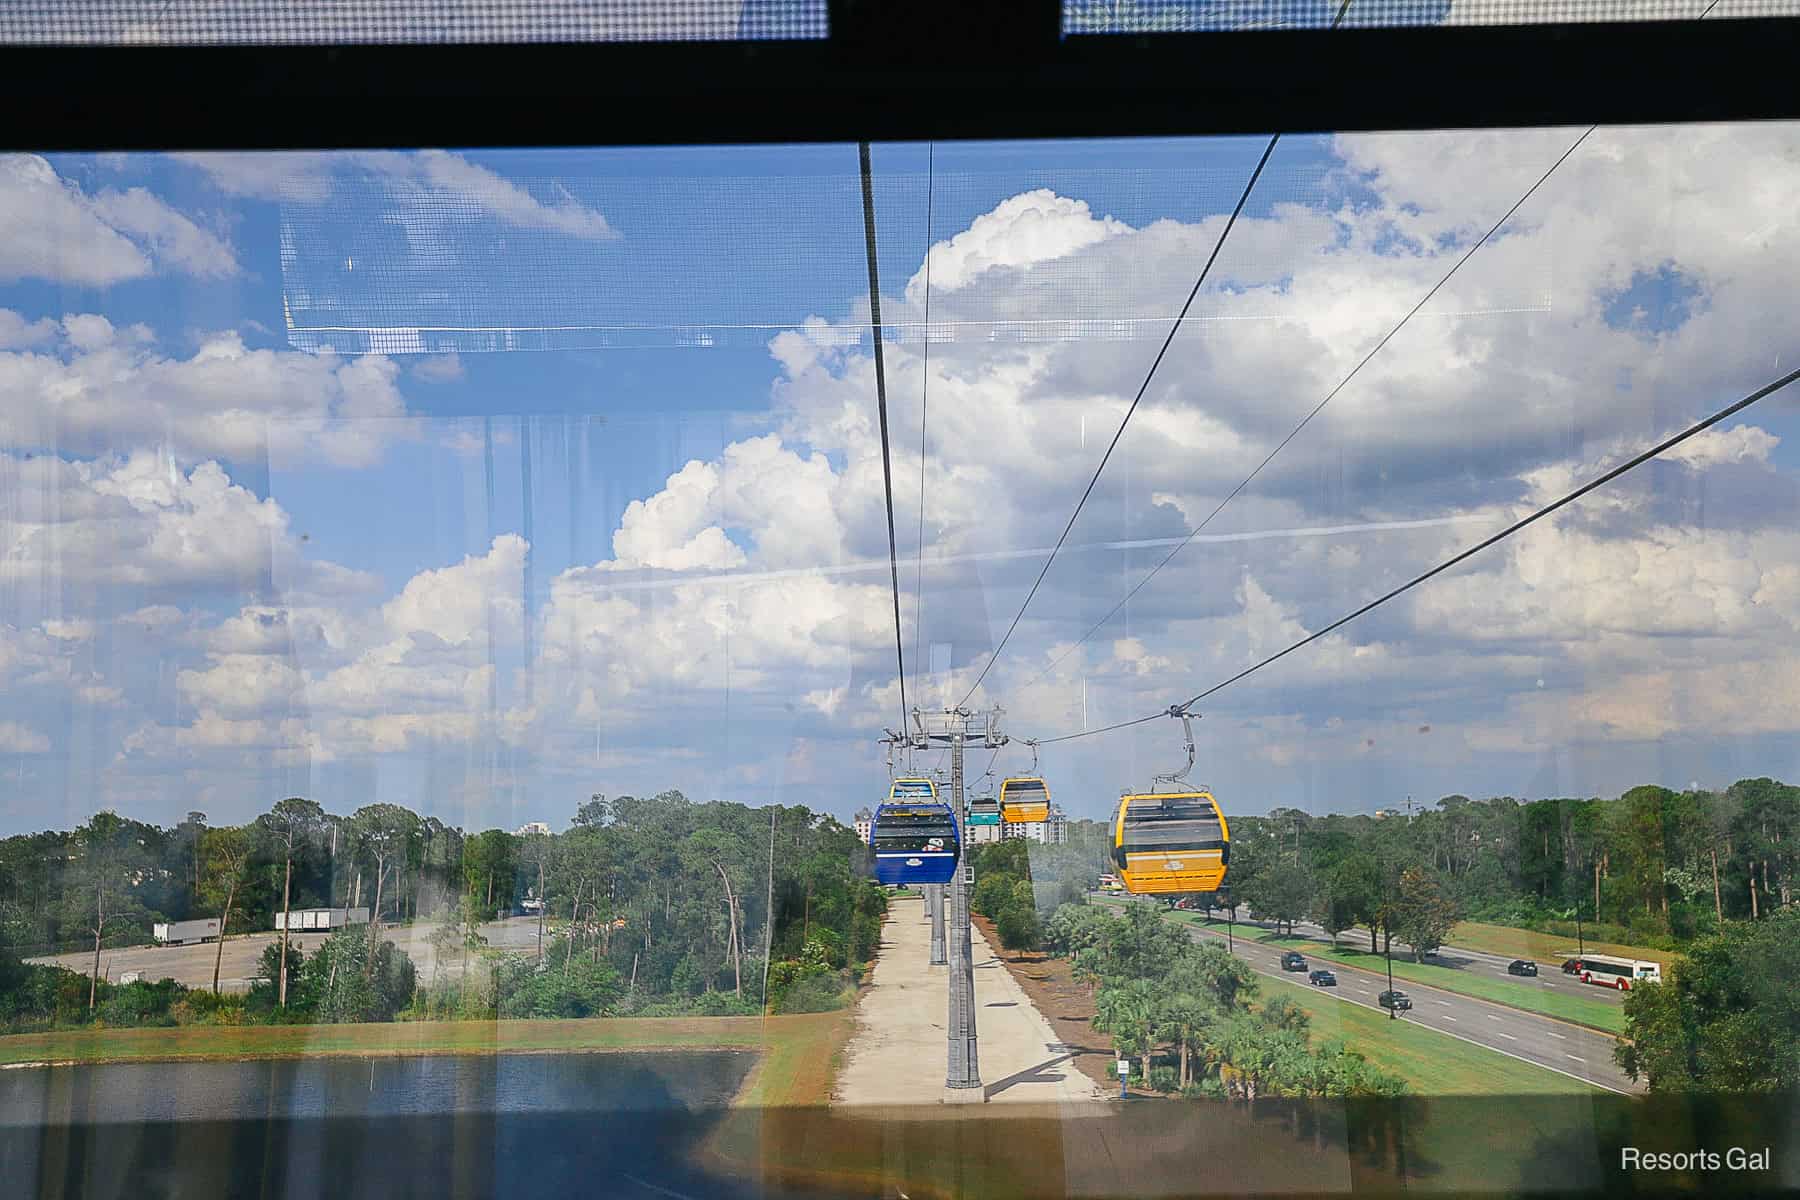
(1576, 1057)
(1509, 1037)
(1559, 1037)
(1492, 1017)
(1448, 1017)
(1445, 1003)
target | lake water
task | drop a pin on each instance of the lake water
(538, 1125)
(553, 1126)
(433, 1085)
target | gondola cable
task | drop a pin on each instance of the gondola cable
(1180, 317)
(887, 466)
(1144, 387)
(924, 397)
(1638, 460)
(1307, 419)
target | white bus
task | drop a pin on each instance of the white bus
(1619, 973)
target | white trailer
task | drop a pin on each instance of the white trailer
(182, 933)
(309, 920)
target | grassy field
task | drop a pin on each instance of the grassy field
(795, 1068)
(1595, 1014)
(1544, 947)
(800, 1060)
(1432, 1063)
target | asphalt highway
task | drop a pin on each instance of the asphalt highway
(1477, 962)
(1544, 1041)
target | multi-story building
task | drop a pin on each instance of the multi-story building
(1051, 832)
(980, 834)
(865, 821)
(532, 829)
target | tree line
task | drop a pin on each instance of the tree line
(646, 902)
(1653, 867)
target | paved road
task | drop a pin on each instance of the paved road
(898, 1053)
(1570, 1049)
(193, 965)
(1460, 958)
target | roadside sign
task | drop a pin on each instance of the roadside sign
(1124, 1066)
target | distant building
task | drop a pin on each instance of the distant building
(865, 821)
(1051, 832)
(308, 920)
(981, 835)
(1382, 814)
(1026, 831)
(532, 829)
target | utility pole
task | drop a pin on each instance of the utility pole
(963, 1073)
(951, 933)
(934, 907)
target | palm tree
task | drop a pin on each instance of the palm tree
(1128, 1011)
(1186, 1018)
(1083, 970)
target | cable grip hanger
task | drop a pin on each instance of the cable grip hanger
(1178, 778)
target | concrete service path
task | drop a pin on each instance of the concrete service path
(898, 1053)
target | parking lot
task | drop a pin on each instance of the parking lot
(192, 965)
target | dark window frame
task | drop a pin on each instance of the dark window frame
(937, 69)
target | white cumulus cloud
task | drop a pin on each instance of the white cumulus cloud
(51, 229)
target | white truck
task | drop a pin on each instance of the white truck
(183, 933)
(306, 920)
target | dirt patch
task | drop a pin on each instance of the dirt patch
(1067, 1005)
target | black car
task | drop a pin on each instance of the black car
(1399, 1001)
(1322, 978)
(1522, 966)
(1292, 961)
(1571, 966)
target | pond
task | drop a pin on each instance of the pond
(544, 1125)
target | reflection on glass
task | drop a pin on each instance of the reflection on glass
(453, 614)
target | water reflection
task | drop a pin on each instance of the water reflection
(354, 1087)
(648, 1125)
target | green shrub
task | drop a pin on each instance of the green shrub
(205, 1008)
(1018, 926)
(815, 993)
(570, 987)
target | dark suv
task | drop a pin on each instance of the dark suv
(1399, 1001)
(1292, 961)
(1521, 966)
(1322, 978)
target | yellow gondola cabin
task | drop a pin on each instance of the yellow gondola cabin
(1024, 800)
(1171, 842)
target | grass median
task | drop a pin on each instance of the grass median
(1550, 948)
(1431, 1062)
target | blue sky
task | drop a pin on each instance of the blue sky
(646, 548)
